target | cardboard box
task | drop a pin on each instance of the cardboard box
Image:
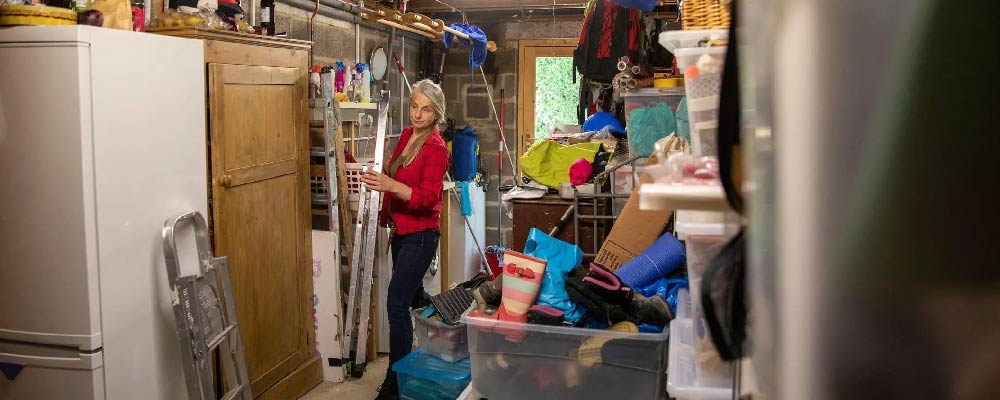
(634, 231)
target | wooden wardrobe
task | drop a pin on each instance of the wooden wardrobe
(258, 137)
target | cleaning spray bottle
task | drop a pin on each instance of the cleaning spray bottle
(339, 80)
(366, 85)
(357, 94)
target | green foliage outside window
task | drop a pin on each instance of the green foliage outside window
(556, 96)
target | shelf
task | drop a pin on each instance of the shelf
(659, 196)
(344, 105)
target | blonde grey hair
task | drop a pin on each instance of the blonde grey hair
(433, 92)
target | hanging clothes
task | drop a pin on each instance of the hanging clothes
(478, 42)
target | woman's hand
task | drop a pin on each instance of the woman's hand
(380, 182)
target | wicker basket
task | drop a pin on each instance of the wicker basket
(704, 14)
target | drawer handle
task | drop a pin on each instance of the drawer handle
(226, 181)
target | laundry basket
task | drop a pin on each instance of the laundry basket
(353, 172)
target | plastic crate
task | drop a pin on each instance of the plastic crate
(447, 342)
(425, 377)
(683, 381)
(547, 363)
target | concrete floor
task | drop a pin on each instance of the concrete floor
(356, 389)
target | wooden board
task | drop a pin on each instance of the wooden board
(230, 36)
(262, 207)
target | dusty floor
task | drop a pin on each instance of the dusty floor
(356, 389)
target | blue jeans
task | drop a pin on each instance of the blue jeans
(411, 256)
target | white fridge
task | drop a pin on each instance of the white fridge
(102, 138)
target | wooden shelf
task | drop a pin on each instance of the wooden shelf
(659, 196)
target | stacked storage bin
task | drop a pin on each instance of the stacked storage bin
(441, 340)
(655, 108)
(702, 70)
(425, 377)
(440, 368)
(699, 373)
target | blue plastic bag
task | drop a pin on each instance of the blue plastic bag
(643, 5)
(465, 145)
(562, 257)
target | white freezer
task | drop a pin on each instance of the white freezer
(102, 138)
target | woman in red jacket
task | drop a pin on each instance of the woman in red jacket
(412, 203)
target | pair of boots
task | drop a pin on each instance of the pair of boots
(518, 289)
(606, 296)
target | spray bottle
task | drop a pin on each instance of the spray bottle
(341, 71)
(366, 85)
(357, 94)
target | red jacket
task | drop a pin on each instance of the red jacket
(425, 176)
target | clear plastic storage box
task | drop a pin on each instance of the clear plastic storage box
(673, 40)
(447, 342)
(702, 89)
(700, 251)
(640, 141)
(425, 377)
(683, 381)
(552, 362)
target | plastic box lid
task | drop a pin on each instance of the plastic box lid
(705, 223)
(426, 366)
(673, 40)
(655, 92)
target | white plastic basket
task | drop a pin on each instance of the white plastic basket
(353, 172)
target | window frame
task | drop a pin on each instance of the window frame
(528, 51)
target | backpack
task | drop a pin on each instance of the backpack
(609, 32)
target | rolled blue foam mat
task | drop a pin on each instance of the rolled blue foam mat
(658, 260)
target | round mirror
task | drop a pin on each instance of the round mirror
(378, 63)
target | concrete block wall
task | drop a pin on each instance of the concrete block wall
(335, 40)
(469, 103)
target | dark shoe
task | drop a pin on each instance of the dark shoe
(652, 310)
(421, 300)
(488, 295)
(388, 390)
(545, 315)
(601, 296)
(607, 285)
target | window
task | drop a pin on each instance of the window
(547, 96)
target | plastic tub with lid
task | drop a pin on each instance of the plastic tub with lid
(673, 40)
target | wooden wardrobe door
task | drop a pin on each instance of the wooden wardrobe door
(261, 210)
